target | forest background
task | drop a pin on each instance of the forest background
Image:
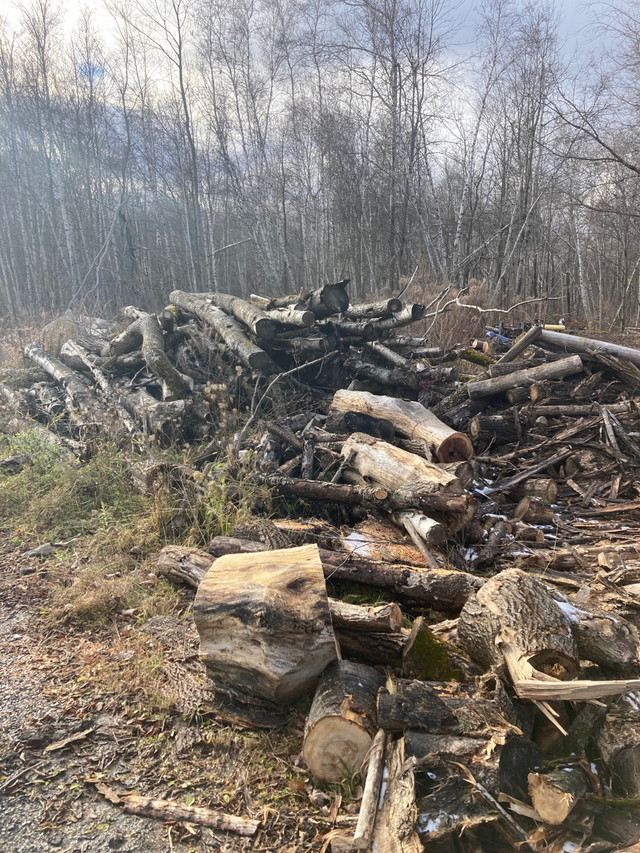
(268, 146)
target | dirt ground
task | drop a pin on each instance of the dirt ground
(76, 732)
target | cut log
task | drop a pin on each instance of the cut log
(520, 345)
(387, 355)
(555, 794)
(264, 623)
(430, 531)
(229, 329)
(260, 323)
(374, 309)
(394, 830)
(82, 403)
(535, 512)
(552, 370)
(376, 649)
(410, 313)
(293, 315)
(182, 564)
(342, 721)
(411, 420)
(576, 343)
(379, 618)
(388, 377)
(383, 464)
(495, 429)
(347, 422)
(618, 742)
(515, 621)
(442, 589)
(146, 333)
(448, 707)
(543, 489)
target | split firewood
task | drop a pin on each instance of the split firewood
(411, 420)
(342, 721)
(371, 793)
(264, 623)
(552, 370)
(167, 810)
(394, 830)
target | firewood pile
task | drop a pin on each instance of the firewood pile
(491, 697)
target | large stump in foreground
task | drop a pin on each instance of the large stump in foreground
(265, 626)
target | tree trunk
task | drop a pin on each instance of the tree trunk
(342, 721)
(374, 309)
(329, 299)
(575, 343)
(555, 794)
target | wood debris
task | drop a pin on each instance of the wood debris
(492, 490)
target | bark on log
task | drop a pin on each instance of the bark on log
(534, 512)
(498, 429)
(385, 354)
(264, 623)
(578, 344)
(543, 489)
(181, 564)
(329, 299)
(553, 370)
(293, 315)
(521, 344)
(229, 330)
(146, 333)
(349, 421)
(381, 618)
(411, 420)
(430, 531)
(342, 721)
(159, 419)
(411, 312)
(260, 323)
(376, 649)
(374, 309)
(81, 400)
(169, 811)
(515, 621)
(442, 589)
(618, 742)
(386, 376)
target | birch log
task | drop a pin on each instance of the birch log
(411, 420)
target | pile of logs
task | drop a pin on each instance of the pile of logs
(490, 700)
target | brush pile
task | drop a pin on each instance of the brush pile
(489, 493)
